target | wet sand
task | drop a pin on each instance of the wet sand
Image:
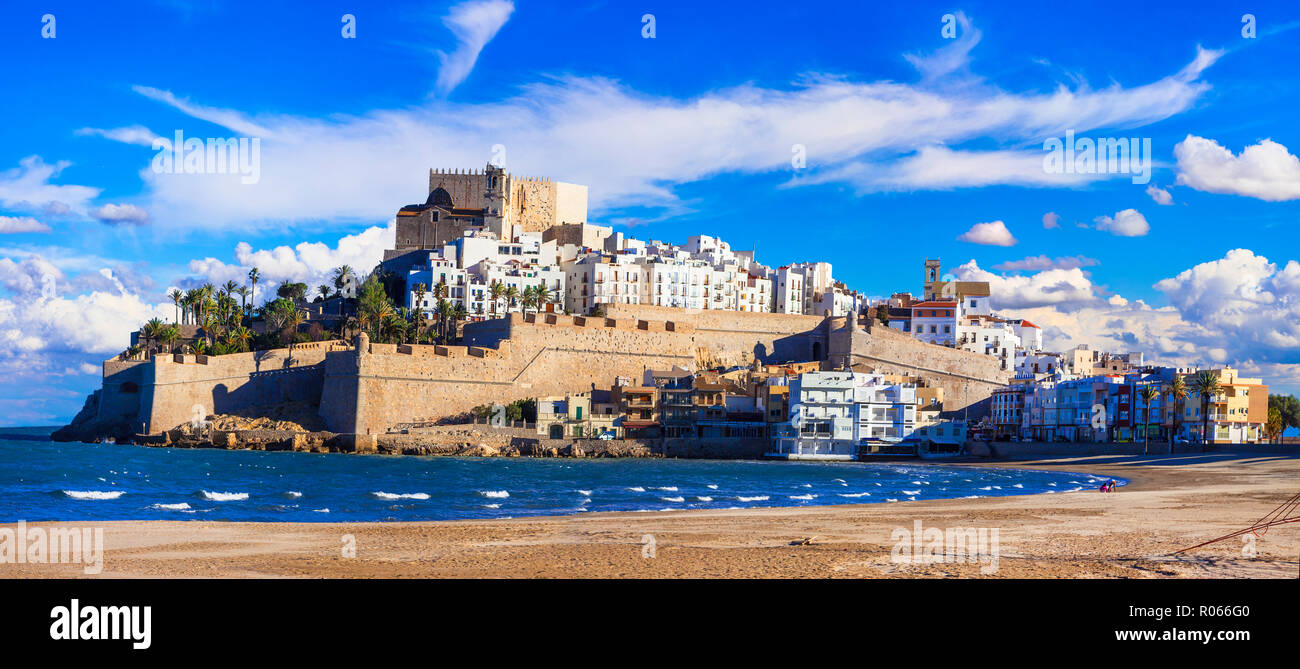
(1172, 502)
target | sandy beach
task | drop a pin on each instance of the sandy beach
(1172, 502)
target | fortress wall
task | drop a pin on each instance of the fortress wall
(119, 398)
(176, 388)
(532, 204)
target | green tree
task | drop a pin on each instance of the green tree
(342, 276)
(1206, 384)
(1147, 394)
(177, 296)
(496, 292)
(1288, 408)
(882, 314)
(1177, 393)
(253, 276)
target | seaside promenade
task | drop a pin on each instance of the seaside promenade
(1171, 502)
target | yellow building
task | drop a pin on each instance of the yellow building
(1236, 415)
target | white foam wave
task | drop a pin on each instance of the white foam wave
(224, 496)
(93, 494)
(702, 498)
(911, 492)
(400, 495)
(293, 494)
(637, 489)
(171, 507)
(670, 488)
(712, 486)
(854, 494)
(584, 493)
(759, 498)
(803, 497)
(673, 499)
(492, 506)
(320, 510)
(494, 494)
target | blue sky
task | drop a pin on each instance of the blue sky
(911, 139)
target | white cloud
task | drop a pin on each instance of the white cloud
(27, 187)
(44, 330)
(989, 234)
(953, 56)
(10, 225)
(1265, 170)
(1127, 223)
(1160, 195)
(474, 23)
(1051, 220)
(1066, 287)
(135, 134)
(312, 263)
(633, 148)
(1042, 262)
(114, 214)
(1241, 309)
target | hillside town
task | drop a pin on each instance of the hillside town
(486, 244)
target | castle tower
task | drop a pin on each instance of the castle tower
(932, 274)
(496, 191)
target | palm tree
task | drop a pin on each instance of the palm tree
(530, 298)
(149, 332)
(1147, 394)
(444, 314)
(243, 302)
(418, 315)
(253, 276)
(496, 292)
(1206, 384)
(168, 337)
(544, 295)
(341, 276)
(458, 313)
(237, 339)
(512, 294)
(324, 291)
(177, 296)
(1177, 394)
(199, 347)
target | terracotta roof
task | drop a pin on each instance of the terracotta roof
(1029, 325)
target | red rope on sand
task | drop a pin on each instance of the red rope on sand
(1281, 515)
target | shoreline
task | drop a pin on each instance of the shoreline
(1171, 502)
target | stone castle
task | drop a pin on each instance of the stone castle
(371, 388)
(489, 199)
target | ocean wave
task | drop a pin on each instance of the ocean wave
(712, 486)
(673, 499)
(584, 493)
(668, 488)
(224, 496)
(890, 499)
(492, 506)
(803, 497)
(853, 494)
(987, 487)
(1018, 485)
(703, 498)
(402, 495)
(758, 498)
(911, 492)
(92, 494)
(293, 494)
(495, 494)
(840, 480)
(320, 510)
(637, 489)
(171, 507)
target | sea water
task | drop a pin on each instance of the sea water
(41, 480)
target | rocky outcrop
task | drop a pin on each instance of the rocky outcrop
(88, 426)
